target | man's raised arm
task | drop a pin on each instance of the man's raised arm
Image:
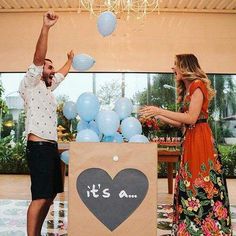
(66, 67)
(49, 19)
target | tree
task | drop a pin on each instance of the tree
(3, 107)
(109, 92)
(225, 98)
(157, 94)
(223, 103)
(161, 95)
(61, 119)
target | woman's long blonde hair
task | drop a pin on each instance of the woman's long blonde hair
(191, 70)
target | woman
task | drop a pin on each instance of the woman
(201, 205)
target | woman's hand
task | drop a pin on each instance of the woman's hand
(149, 111)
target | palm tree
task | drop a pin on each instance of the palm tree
(223, 103)
(156, 92)
(225, 99)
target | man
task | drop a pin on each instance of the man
(41, 123)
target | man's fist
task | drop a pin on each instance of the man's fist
(50, 18)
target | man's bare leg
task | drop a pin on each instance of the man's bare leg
(45, 210)
(36, 214)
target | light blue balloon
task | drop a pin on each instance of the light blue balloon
(118, 138)
(65, 157)
(69, 110)
(138, 138)
(82, 125)
(130, 126)
(82, 62)
(106, 23)
(108, 122)
(123, 107)
(87, 106)
(108, 139)
(93, 126)
(100, 136)
(87, 135)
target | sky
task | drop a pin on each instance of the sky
(75, 84)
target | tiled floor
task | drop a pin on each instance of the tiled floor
(13, 219)
(13, 212)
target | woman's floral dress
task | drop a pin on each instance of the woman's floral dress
(201, 204)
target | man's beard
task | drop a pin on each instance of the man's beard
(48, 80)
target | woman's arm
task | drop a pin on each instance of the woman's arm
(187, 118)
(169, 121)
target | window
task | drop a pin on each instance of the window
(140, 88)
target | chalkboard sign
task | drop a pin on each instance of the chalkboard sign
(112, 189)
(112, 200)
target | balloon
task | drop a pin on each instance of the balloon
(69, 110)
(130, 126)
(118, 138)
(108, 139)
(87, 135)
(82, 125)
(100, 136)
(138, 138)
(82, 62)
(65, 157)
(93, 126)
(108, 122)
(123, 107)
(106, 23)
(87, 106)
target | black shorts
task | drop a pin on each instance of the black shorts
(45, 169)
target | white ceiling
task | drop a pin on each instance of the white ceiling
(207, 6)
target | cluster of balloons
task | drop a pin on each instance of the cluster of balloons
(97, 125)
(106, 24)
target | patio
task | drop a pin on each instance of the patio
(15, 199)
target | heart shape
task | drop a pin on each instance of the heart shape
(112, 201)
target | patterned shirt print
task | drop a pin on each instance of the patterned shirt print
(40, 103)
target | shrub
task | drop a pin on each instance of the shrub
(12, 156)
(228, 153)
(229, 159)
